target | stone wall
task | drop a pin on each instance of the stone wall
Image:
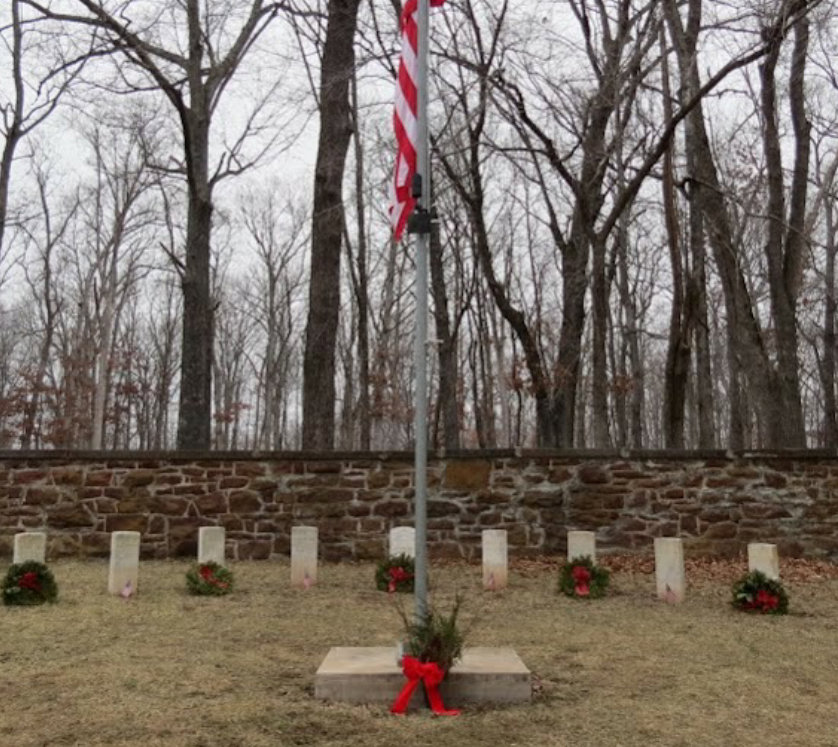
(716, 503)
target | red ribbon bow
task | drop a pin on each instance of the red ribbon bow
(397, 575)
(431, 676)
(582, 579)
(765, 601)
(29, 580)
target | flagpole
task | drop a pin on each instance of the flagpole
(422, 234)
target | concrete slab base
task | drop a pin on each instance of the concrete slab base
(484, 676)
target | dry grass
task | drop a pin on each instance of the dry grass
(168, 669)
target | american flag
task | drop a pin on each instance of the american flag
(405, 118)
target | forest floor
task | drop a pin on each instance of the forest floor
(168, 670)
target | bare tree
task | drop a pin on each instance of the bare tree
(617, 41)
(772, 388)
(38, 67)
(116, 220)
(688, 317)
(218, 37)
(156, 365)
(234, 339)
(44, 237)
(786, 242)
(276, 229)
(448, 405)
(359, 272)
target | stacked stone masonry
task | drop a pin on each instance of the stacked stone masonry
(716, 503)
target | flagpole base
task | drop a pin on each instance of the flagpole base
(370, 675)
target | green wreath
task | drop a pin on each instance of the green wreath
(29, 583)
(757, 593)
(209, 580)
(581, 578)
(395, 574)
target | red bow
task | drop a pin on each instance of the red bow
(29, 580)
(397, 575)
(428, 673)
(582, 579)
(764, 602)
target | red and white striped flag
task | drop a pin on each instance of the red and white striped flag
(405, 118)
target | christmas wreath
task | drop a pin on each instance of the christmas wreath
(434, 644)
(755, 592)
(581, 578)
(209, 579)
(395, 574)
(29, 583)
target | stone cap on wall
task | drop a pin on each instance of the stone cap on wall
(10, 455)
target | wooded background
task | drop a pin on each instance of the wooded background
(635, 244)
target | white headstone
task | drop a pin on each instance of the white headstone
(125, 563)
(764, 557)
(211, 545)
(495, 569)
(581, 544)
(303, 557)
(403, 541)
(669, 569)
(30, 546)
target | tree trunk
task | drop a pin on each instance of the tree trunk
(580, 418)
(748, 343)
(739, 437)
(327, 227)
(574, 272)
(362, 289)
(13, 130)
(635, 374)
(165, 350)
(195, 413)
(12, 140)
(447, 350)
(827, 367)
(676, 369)
(783, 248)
(31, 408)
(194, 416)
(599, 292)
(697, 294)
(103, 362)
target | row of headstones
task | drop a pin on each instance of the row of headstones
(124, 570)
(670, 573)
(125, 556)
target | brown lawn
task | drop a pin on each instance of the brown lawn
(166, 669)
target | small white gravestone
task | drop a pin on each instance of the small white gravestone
(764, 557)
(495, 570)
(303, 557)
(581, 544)
(125, 563)
(669, 569)
(211, 545)
(30, 546)
(403, 541)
